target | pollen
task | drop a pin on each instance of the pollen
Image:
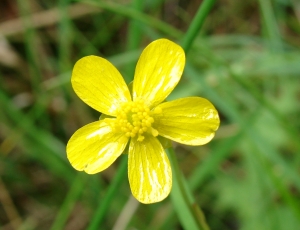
(135, 120)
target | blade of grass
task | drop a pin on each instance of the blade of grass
(126, 214)
(133, 14)
(110, 195)
(69, 202)
(65, 36)
(106, 32)
(254, 93)
(51, 146)
(251, 89)
(134, 37)
(43, 19)
(270, 24)
(34, 55)
(278, 183)
(230, 111)
(190, 216)
(210, 165)
(196, 24)
(30, 45)
(218, 154)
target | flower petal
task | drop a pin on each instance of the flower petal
(99, 84)
(190, 121)
(149, 170)
(94, 147)
(158, 71)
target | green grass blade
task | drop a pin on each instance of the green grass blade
(69, 202)
(270, 24)
(52, 147)
(196, 24)
(110, 195)
(134, 37)
(190, 216)
(133, 14)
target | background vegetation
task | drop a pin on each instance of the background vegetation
(245, 59)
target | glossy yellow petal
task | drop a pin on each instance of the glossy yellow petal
(99, 84)
(149, 170)
(94, 147)
(190, 121)
(158, 71)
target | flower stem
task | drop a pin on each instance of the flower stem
(196, 24)
(188, 211)
(110, 195)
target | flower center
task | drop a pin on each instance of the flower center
(135, 120)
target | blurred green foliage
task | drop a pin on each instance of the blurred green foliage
(246, 60)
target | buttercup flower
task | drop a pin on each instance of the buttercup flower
(138, 118)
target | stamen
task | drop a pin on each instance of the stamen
(141, 138)
(135, 119)
(154, 132)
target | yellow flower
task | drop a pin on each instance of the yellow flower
(138, 118)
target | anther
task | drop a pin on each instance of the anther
(134, 119)
(141, 138)
(154, 132)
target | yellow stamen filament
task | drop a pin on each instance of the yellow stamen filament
(135, 120)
